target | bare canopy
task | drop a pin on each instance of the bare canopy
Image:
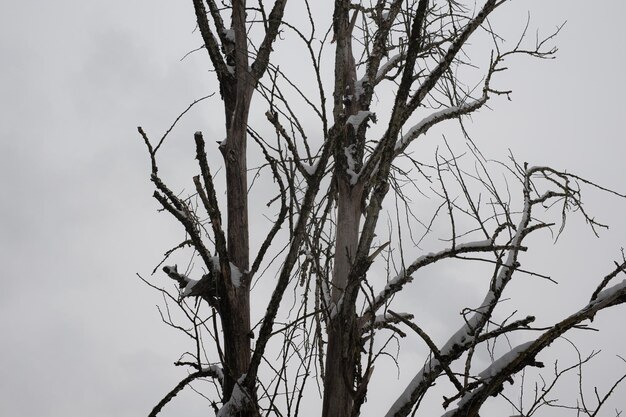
(349, 194)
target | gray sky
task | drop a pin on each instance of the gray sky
(80, 334)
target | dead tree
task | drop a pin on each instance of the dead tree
(337, 166)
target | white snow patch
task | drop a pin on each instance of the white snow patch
(384, 318)
(491, 371)
(395, 280)
(229, 34)
(235, 275)
(609, 292)
(310, 169)
(190, 284)
(238, 400)
(349, 152)
(216, 369)
(356, 119)
(215, 263)
(335, 307)
(417, 129)
(386, 67)
(502, 362)
(476, 244)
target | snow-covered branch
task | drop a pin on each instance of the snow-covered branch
(492, 378)
(405, 276)
(436, 117)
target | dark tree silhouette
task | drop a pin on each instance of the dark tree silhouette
(338, 163)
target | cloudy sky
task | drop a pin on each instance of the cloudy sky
(79, 333)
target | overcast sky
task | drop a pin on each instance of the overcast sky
(79, 333)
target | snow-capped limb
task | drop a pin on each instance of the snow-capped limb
(385, 320)
(436, 117)
(205, 287)
(601, 299)
(524, 355)
(405, 276)
(496, 374)
(502, 362)
(309, 169)
(185, 283)
(493, 377)
(388, 66)
(214, 371)
(605, 281)
(467, 335)
(239, 400)
(355, 120)
(610, 296)
(392, 318)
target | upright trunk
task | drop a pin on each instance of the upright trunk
(343, 349)
(236, 305)
(342, 352)
(235, 302)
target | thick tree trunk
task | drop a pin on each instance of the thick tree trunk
(235, 302)
(342, 352)
(235, 312)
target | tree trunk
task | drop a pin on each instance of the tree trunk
(235, 297)
(235, 303)
(342, 352)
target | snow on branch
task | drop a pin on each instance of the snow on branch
(239, 401)
(388, 66)
(436, 117)
(205, 287)
(405, 276)
(356, 120)
(492, 378)
(186, 284)
(507, 365)
(467, 335)
(385, 320)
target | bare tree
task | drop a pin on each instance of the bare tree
(338, 167)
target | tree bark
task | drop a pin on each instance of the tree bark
(235, 294)
(342, 352)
